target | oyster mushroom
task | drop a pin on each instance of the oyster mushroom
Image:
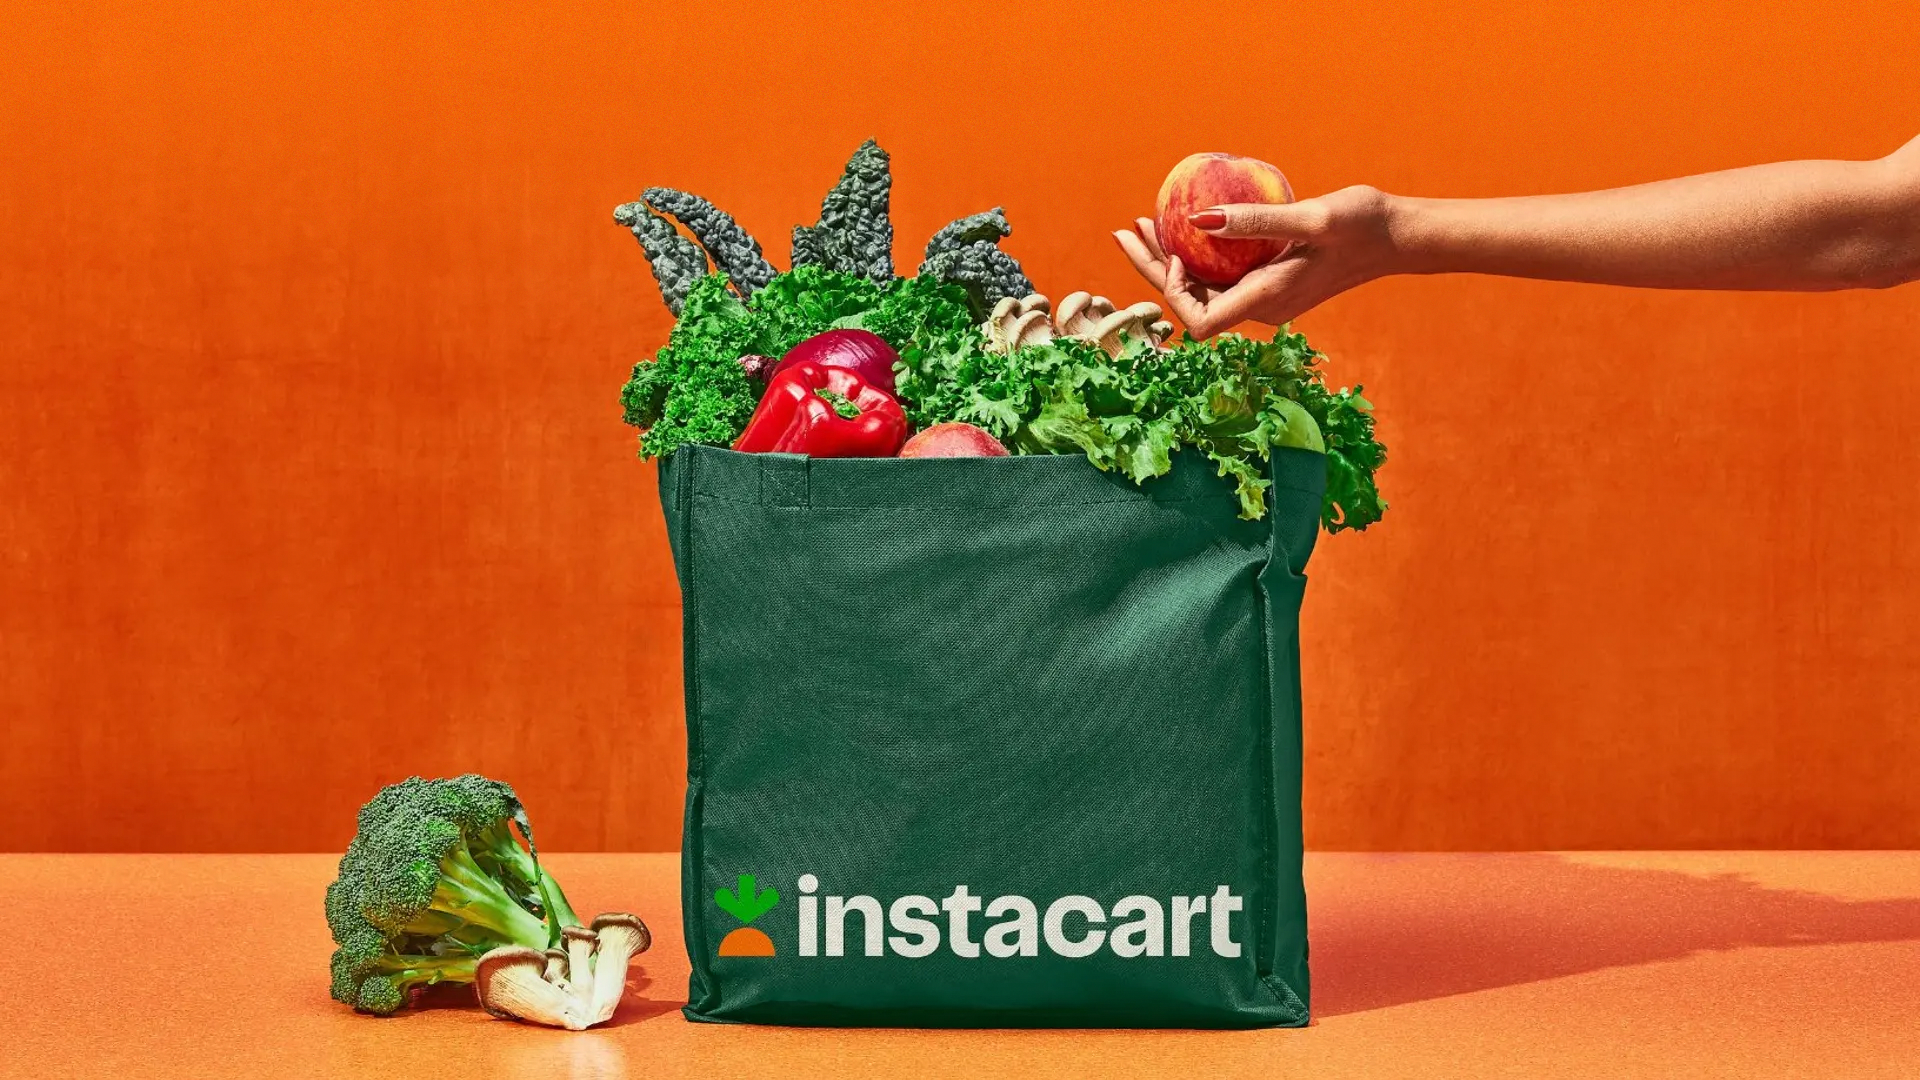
(621, 938)
(1033, 328)
(1071, 320)
(556, 972)
(511, 984)
(580, 942)
(1030, 320)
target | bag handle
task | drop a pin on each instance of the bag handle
(786, 480)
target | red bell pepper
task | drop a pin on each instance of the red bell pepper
(823, 411)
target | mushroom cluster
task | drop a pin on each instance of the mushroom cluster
(573, 988)
(1031, 320)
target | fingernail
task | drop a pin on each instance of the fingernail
(1209, 219)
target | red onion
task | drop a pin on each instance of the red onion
(859, 351)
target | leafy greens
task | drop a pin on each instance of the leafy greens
(1231, 398)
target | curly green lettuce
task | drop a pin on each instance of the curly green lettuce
(695, 390)
(1231, 398)
(854, 234)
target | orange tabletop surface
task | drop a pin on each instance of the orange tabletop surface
(1703, 964)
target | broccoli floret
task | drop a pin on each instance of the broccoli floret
(967, 253)
(433, 879)
(733, 251)
(677, 261)
(854, 235)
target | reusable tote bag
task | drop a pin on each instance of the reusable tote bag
(990, 742)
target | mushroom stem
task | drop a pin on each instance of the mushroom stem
(621, 937)
(580, 942)
(556, 972)
(511, 984)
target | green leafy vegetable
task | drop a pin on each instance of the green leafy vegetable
(855, 235)
(734, 253)
(1231, 398)
(967, 253)
(677, 261)
(433, 879)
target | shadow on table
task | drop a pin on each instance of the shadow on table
(635, 1006)
(1541, 916)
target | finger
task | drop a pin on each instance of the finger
(1292, 221)
(1190, 308)
(1154, 270)
(1150, 232)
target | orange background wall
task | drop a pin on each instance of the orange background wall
(312, 473)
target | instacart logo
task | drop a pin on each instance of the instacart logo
(971, 925)
(746, 903)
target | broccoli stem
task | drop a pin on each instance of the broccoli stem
(407, 972)
(496, 844)
(477, 899)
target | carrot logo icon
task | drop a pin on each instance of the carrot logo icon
(746, 903)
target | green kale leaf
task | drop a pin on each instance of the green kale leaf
(677, 261)
(695, 390)
(967, 253)
(733, 251)
(854, 235)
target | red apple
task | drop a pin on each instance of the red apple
(1206, 180)
(953, 440)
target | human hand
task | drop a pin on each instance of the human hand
(1340, 240)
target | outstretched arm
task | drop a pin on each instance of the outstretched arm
(1792, 226)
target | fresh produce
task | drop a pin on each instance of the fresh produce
(433, 879)
(1017, 324)
(823, 411)
(677, 262)
(967, 253)
(854, 235)
(734, 253)
(1231, 399)
(1207, 180)
(618, 938)
(573, 988)
(758, 368)
(511, 984)
(859, 351)
(978, 346)
(953, 439)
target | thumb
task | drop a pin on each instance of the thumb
(1303, 220)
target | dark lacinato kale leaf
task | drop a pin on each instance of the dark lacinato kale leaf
(677, 261)
(733, 251)
(967, 253)
(990, 227)
(854, 235)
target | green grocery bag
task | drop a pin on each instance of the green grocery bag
(991, 742)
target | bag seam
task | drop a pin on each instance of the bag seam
(693, 922)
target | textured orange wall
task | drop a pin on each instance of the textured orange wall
(311, 471)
